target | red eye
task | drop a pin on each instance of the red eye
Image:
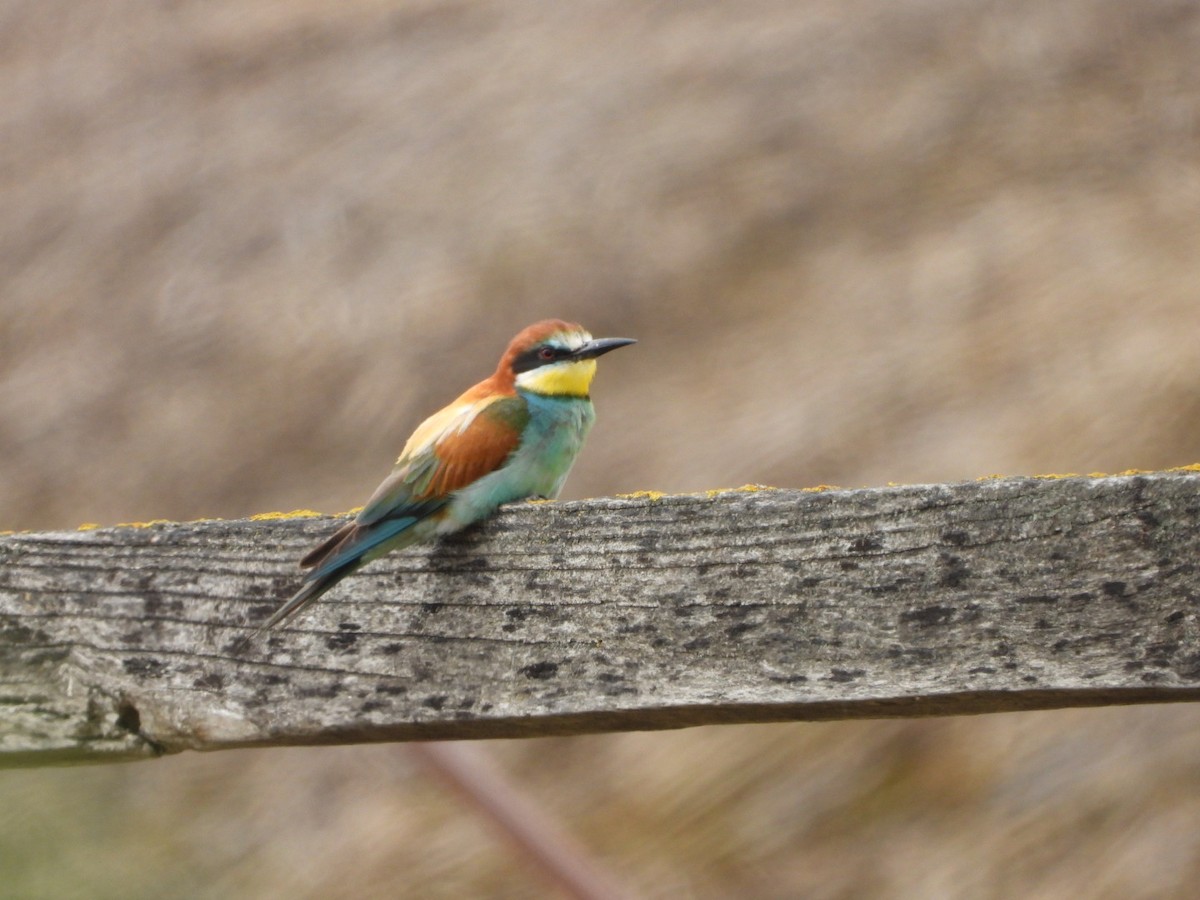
(546, 353)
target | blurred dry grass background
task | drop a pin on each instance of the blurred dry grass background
(246, 246)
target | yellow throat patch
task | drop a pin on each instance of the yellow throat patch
(565, 379)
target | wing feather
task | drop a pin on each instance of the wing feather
(451, 449)
(472, 437)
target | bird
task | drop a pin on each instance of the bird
(512, 436)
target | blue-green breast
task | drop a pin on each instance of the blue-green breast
(538, 467)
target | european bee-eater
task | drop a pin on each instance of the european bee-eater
(512, 436)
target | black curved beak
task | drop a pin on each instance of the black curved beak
(592, 349)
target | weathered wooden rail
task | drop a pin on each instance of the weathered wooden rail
(612, 614)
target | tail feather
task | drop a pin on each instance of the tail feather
(311, 590)
(339, 555)
(356, 544)
(329, 546)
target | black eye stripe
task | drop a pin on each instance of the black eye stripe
(532, 358)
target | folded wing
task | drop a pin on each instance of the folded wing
(453, 448)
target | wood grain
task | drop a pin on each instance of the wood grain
(608, 615)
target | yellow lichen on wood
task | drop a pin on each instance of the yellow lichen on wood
(294, 514)
(1127, 473)
(652, 496)
(748, 489)
(710, 493)
(642, 495)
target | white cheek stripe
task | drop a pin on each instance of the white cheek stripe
(530, 378)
